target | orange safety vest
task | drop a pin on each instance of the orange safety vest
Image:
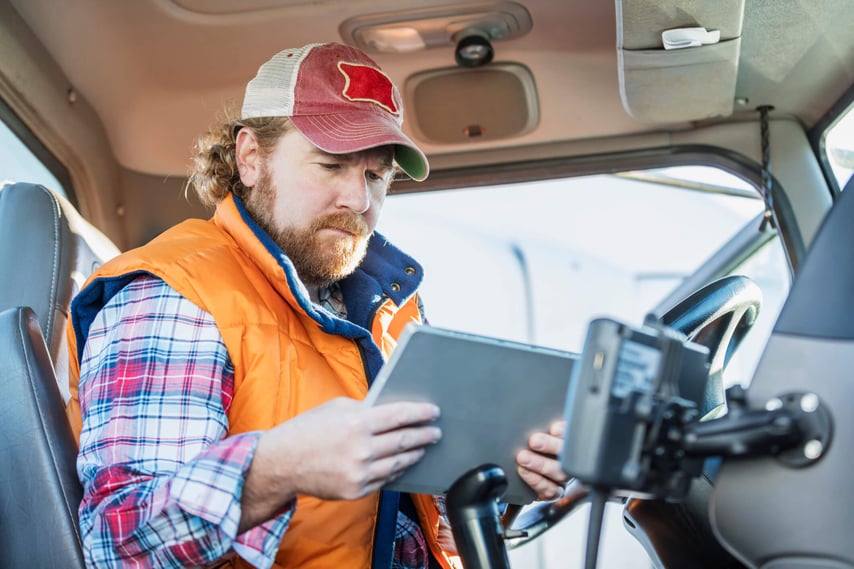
(288, 357)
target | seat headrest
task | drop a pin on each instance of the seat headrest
(47, 250)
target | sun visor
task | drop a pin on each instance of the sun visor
(678, 59)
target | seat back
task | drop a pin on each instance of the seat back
(46, 250)
(39, 489)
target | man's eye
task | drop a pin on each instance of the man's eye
(373, 176)
(330, 166)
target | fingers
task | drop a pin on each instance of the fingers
(539, 467)
(385, 470)
(393, 416)
(543, 474)
(343, 449)
(392, 438)
(396, 444)
(549, 443)
(403, 440)
(545, 465)
(545, 488)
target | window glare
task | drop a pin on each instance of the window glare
(839, 145)
(707, 177)
(19, 164)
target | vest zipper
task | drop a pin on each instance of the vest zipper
(371, 315)
(383, 495)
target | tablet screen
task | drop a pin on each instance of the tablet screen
(493, 395)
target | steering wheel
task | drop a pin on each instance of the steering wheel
(717, 316)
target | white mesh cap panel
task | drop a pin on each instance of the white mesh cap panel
(271, 92)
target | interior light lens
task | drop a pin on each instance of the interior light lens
(392, 39)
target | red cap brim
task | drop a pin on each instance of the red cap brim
(342, 133)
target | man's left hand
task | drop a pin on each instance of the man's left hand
(539, 467)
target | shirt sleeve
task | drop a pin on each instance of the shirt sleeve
(162, 480)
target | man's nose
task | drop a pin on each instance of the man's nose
(354, 193)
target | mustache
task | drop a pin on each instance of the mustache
(344, 221)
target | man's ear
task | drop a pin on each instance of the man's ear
(247, 156)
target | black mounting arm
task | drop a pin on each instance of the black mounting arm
(794, 427)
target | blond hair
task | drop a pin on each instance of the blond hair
(214, 168)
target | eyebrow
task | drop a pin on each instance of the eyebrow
(386, 155)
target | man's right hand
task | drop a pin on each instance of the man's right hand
(341, 450)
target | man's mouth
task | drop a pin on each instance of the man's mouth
(351, 226)
(340, 230)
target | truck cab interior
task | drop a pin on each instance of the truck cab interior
(587, 159)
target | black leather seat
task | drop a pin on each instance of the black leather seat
(39, 490)
(46, 251)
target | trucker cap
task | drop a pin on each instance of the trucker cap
(338, 98)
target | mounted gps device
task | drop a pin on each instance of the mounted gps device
(626, 385)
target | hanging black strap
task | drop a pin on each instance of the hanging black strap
(767, 192)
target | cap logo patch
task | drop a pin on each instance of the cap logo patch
(368, 84)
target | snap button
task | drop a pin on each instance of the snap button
(395, 287)
(409, 270)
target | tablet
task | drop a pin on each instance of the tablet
(493, 395)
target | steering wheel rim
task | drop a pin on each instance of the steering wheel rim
(718, 316)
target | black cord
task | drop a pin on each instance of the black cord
(767, 194)
(598, 497)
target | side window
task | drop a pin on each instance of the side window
(839, 147)
(19, 163)
(535, 262)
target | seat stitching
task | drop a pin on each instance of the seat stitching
(55, 268)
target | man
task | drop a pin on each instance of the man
(221, 365)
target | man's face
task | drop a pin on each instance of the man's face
(320, 208)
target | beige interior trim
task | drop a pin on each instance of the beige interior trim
(39, 93)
